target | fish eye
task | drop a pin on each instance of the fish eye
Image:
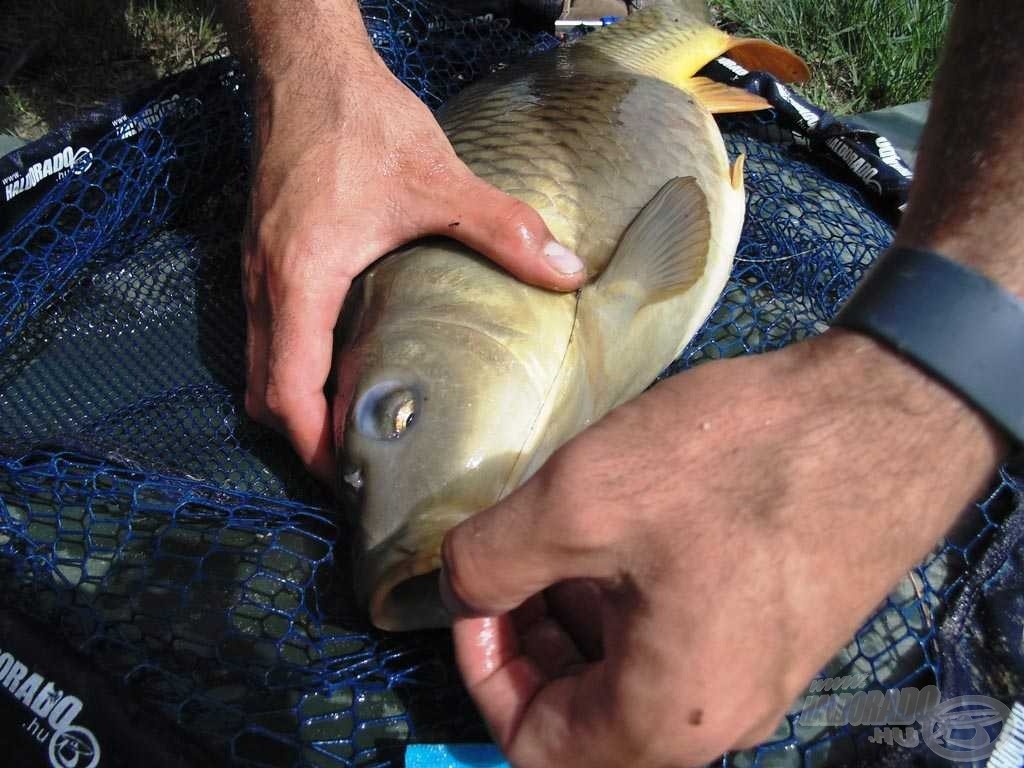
(386, 411)
(405, 415)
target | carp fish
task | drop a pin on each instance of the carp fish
(455, 381)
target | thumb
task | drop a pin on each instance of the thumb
(509, 232)
(500, 557)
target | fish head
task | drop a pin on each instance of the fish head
(431, 415)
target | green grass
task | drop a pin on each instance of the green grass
(76, 55)
(176, 35)
(863, 54)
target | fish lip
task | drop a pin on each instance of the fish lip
(382, 612)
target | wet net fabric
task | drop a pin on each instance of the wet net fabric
(180, 547)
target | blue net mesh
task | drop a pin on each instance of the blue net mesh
(182, 548)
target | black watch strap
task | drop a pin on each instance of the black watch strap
(956, 324)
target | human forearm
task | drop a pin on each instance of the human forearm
(309, 42)
(965, 204)
(967, 194)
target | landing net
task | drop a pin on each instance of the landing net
(178, 553)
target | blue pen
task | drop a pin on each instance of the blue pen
(604, 21)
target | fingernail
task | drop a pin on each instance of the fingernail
(562, 259)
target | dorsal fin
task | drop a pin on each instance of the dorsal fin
(673, 42)
(755, 54)
(682, 61)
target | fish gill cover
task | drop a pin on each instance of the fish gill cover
(163, 556)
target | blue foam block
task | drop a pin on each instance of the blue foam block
(454, 756)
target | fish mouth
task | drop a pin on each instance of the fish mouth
(398, 579)
(406, 596)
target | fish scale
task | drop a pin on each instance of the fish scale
(611, 138)
(455, 381)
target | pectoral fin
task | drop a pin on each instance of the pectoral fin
(665, 250)
(720, 99)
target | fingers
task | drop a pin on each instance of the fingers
(545, 706)
(504, 671)
(578, 607)
(568, 722)
(531, 705)
(510, 233)
(551, 647)
(500, 679)
(497, 559)
(289, 351)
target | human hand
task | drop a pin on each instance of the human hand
(343, 174)
(667, 584)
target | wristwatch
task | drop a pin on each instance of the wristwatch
(956, 324)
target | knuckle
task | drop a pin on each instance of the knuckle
(314, 261)
(280, 402)
(254, 264)
(264, 234)
(521, 226)
(520, 213)
(293, 265)
(252, 290)
(284, 255)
